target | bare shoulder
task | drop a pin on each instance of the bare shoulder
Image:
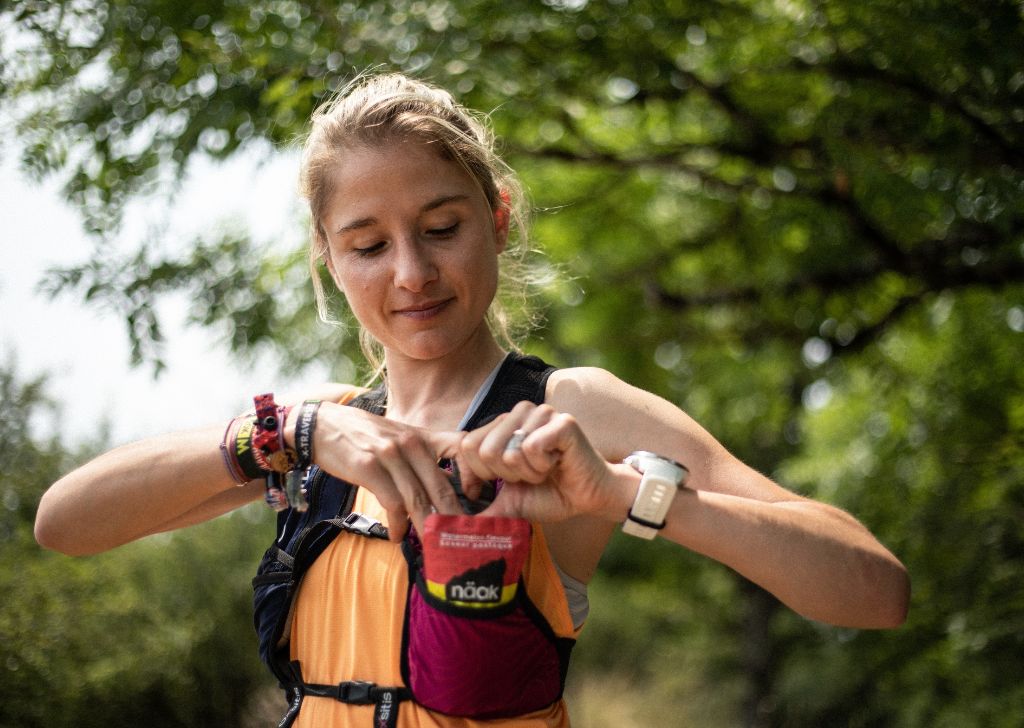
(592, 392)
(588, 392)
(619, 417)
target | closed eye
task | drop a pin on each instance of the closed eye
(445, 232)
(370, 249)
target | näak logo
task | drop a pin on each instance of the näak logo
(482, 584)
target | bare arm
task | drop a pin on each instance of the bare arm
(817, 559)
(157, 484)
(139, 489)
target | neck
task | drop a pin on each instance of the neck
(435, 393)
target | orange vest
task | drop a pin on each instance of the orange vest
(347, 625)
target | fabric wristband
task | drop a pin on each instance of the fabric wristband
(246, 454)
(227, 446)
(305, 425)
(295, 479)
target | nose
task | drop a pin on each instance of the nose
(414, 266)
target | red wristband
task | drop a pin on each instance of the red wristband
(268, 437)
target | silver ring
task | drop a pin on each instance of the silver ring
(516, 441)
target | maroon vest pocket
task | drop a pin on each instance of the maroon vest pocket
(474, 645)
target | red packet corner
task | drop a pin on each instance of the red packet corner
(474, 561)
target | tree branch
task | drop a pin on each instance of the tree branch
(851, 70)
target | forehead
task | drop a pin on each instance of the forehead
(395, 176)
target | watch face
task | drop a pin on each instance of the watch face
(643, 459)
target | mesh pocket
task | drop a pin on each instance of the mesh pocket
(475, 646)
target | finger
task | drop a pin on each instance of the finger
(472, 485)
(379, 481)
(444, 444)
(448, 445)
(527, 452)
(507, 436)
(519, 500)
(422, 485)
(472, 466)
(502, 507)
(398, 524)
(495, 450)
(546, 443)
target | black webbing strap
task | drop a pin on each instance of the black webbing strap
(362, 525)
(358, 692)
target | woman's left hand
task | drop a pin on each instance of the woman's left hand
(552, 475)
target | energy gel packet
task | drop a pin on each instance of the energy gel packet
(474, 561)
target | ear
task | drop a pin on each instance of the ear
(329, 264)
(501, 219)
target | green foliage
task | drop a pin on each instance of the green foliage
(672, 661)
(803, 222)
(755, 153)
(156, 633)
(930, 454)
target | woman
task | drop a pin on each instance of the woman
(411, 213)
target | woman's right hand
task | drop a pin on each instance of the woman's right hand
(396, 462)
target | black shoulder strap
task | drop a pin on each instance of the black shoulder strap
(373, 401)
(521, 377)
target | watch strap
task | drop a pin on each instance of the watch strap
(635, 526)
(659, 483)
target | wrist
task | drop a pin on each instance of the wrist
(289, 427)
(623, 486)
(661, 479)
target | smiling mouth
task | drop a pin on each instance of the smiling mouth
(424, 310)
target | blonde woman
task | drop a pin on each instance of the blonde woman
(421, 228)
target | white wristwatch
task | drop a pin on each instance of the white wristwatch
(662, 478)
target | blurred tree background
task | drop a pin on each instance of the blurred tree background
(802, 221)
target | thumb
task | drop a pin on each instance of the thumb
(502, 507)
(445, 444)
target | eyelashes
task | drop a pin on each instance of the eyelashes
(369, 249)
(443, 233)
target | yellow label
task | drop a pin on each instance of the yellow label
(508, 593)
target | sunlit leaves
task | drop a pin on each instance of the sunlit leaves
(803, 222)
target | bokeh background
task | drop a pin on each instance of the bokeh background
(801, 221)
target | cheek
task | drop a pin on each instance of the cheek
(482, 279)
(358, 286)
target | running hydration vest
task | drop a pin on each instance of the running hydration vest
(456, 659)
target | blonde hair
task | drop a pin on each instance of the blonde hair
(374, 110)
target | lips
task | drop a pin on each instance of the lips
(423, 309)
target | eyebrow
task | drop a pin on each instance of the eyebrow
(432, 205)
